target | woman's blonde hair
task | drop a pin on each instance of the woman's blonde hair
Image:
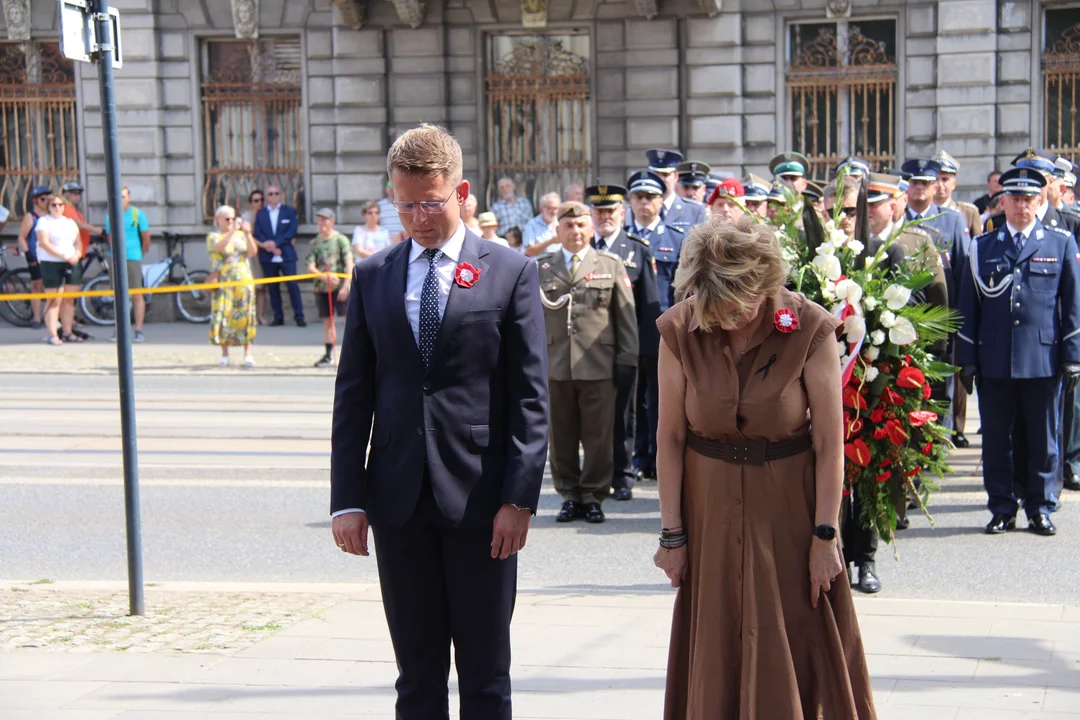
(728, 267)
(224, 209)
(428, 150)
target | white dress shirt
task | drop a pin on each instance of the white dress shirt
(608, 241)
(1026, 231)
(1041, 212)
(652, 226)
(274, 211)
(669, 201)
(414, 286)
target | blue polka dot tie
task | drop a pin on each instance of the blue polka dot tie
(429, 306)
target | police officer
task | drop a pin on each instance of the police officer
(1020, 301)
(692, 182)
(592, 349)
(1068, 191)
(790, 168)
(853, 167)
(608, 215)
(756, 195)
(946, 186)
(676, 212)
(1042, 161)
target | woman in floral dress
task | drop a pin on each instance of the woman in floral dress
(233, 319)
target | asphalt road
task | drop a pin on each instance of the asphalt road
(235, 481)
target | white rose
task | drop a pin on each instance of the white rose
(855, 246)
(903, 332)
(888, 319)
(871, 374)
(872, 353)
(870, 302)
(896, 297)
(877, 337)
(829, 266)
(855, 328)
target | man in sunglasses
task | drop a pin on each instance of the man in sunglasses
(275, 232)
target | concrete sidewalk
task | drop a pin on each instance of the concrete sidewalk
(578, 654)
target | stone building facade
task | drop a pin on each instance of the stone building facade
(219, 96)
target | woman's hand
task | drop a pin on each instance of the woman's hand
(673, 563)
(212, 277)
(826, 563)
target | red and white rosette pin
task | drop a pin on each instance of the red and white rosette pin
(466, 275)
(785, 321)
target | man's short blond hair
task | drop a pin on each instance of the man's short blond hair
(727, 267)
(428, 150)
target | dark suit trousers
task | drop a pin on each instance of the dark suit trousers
(440, 585)
(860, 543)
(582, 412)
(622, 474)
(1070, 435)
(648, 414)
(273, 269)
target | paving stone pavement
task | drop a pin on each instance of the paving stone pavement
(577, 656)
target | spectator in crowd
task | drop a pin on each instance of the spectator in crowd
(388, 216)
(468, 213)
(58, 252)
(275, 232)
(329, 253)
(371, 237)
(511, 210)
(137, 243)
(514, 239)
(574, 193)
(73, 194)
(539, 233)
(4, 215)
(28, 246)
(256, 200)
(993, 188)
(232, 315)
(488, 223)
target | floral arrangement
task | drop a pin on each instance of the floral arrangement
(891, 429)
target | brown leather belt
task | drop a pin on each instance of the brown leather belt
(748, 451)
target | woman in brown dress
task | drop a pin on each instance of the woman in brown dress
(760, 630)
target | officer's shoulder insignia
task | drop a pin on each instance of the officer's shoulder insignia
(613, 256)
(919, 232)
(1059, 230)
(966, 206)
(677, 228)
(641, 240)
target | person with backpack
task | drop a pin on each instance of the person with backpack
(137, 242)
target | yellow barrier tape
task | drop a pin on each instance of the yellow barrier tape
(168, 288)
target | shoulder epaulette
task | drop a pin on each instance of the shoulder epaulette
(1066, 210)
(1057, 229)
(635, 238)
(676, 228)
(920, 232)
(966, 205)
(605, 253)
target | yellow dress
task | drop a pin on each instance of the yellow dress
(232, 316)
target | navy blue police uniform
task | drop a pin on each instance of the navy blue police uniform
(676, 212)
(1020, 301)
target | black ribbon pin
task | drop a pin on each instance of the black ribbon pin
(764, 369)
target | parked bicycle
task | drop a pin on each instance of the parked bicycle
(14, 281)
(193, 305)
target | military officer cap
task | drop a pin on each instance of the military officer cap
(947, 162)
(856, 167)
(789, 164)
(884, 183)
(756, 188)
(572, 209)
(646, 181)
(776, 193)
(605, 196)
(661, 160)
(1038, 160)
(814, 191)
(692, 174)
(1022, 181)
(1069, 179)
(921, 169)
(729, 188)
(1062, 166)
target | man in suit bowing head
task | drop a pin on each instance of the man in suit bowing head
(444, 366)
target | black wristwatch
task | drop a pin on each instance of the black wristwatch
(825, 532)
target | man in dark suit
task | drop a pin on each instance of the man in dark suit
(444, 364)
(275, 231)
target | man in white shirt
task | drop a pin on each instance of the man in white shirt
(539, 233)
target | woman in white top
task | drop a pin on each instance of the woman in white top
(59, 250)
(370, 238)
(468, 214)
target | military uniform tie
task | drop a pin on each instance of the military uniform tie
(575, 263)
(429, 306)
(1019, 240)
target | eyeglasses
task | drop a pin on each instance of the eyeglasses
(272, 194)
(430, 207)
(849, 211)
(256, 200)
(56, 204)
(227, 219)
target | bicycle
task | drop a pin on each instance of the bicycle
(14, 281)
(193, 305)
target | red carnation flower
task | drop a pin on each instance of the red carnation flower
(885, 463)
(897, 434)
(857, 452)
(884, 477)
(919, 418)
(926, 391)
(910, 377)
(890, 396)
(880, 434)
(877, 415)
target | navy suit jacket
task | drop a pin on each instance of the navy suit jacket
(286, 232)
(684, 214)
(475, 421)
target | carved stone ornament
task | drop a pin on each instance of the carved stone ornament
(838, 9)
(411, 12)
(352, 12)
(534, 13)
(712, 7)
(245, 15)
(17, 18)
(646, 8)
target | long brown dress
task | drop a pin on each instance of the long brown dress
(745, 641)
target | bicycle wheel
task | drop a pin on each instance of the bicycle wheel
(99, 310)
(16, 312)
(194, 305)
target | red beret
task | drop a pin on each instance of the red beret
(729, 187)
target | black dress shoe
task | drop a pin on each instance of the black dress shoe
(277, 323)
(623, 493)
(868, 579)
(1000, 523)
(649, 473)
(902, 523)
(300, 322)
(593, 513)
(1040, 524)
(1072, 482)
(570, 511)
(960, 441)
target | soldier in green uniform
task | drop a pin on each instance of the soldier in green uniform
(592, 348)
